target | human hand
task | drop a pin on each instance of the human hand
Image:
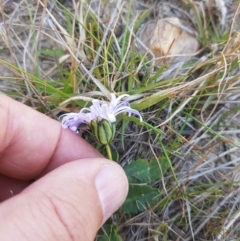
(61, 187)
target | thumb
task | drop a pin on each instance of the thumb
(69, 203)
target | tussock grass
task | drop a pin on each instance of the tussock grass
(58, 55)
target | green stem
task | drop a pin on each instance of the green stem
(109, 153)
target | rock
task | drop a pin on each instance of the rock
(167, 39)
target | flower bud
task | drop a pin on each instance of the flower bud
(103, 130)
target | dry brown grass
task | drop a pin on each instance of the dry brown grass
(196, 105)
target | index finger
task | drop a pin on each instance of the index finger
(31, 142)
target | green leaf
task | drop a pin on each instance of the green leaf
(144, 171)
(140, 173)
(140, 198)
(110, 234)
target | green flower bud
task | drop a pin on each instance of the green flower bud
(103, 130)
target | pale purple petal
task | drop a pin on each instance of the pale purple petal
(74, 129)
(96, 107)
(120, 105)
(74, 120)
(128, 110)
(85, 110)
(135, 112)
(120, 97)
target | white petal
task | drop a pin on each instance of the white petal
(113, 99)
(105, 111)
(111, 118)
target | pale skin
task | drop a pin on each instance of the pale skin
(53, 185)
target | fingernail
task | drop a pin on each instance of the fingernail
(112, 187)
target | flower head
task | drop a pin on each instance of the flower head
(97, 112)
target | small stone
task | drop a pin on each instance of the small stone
(169, 41)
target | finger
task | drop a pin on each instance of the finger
(31, 141)
(10, 187)
(70, 202)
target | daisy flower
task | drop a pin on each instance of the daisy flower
(100, 118)
(98, 112)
